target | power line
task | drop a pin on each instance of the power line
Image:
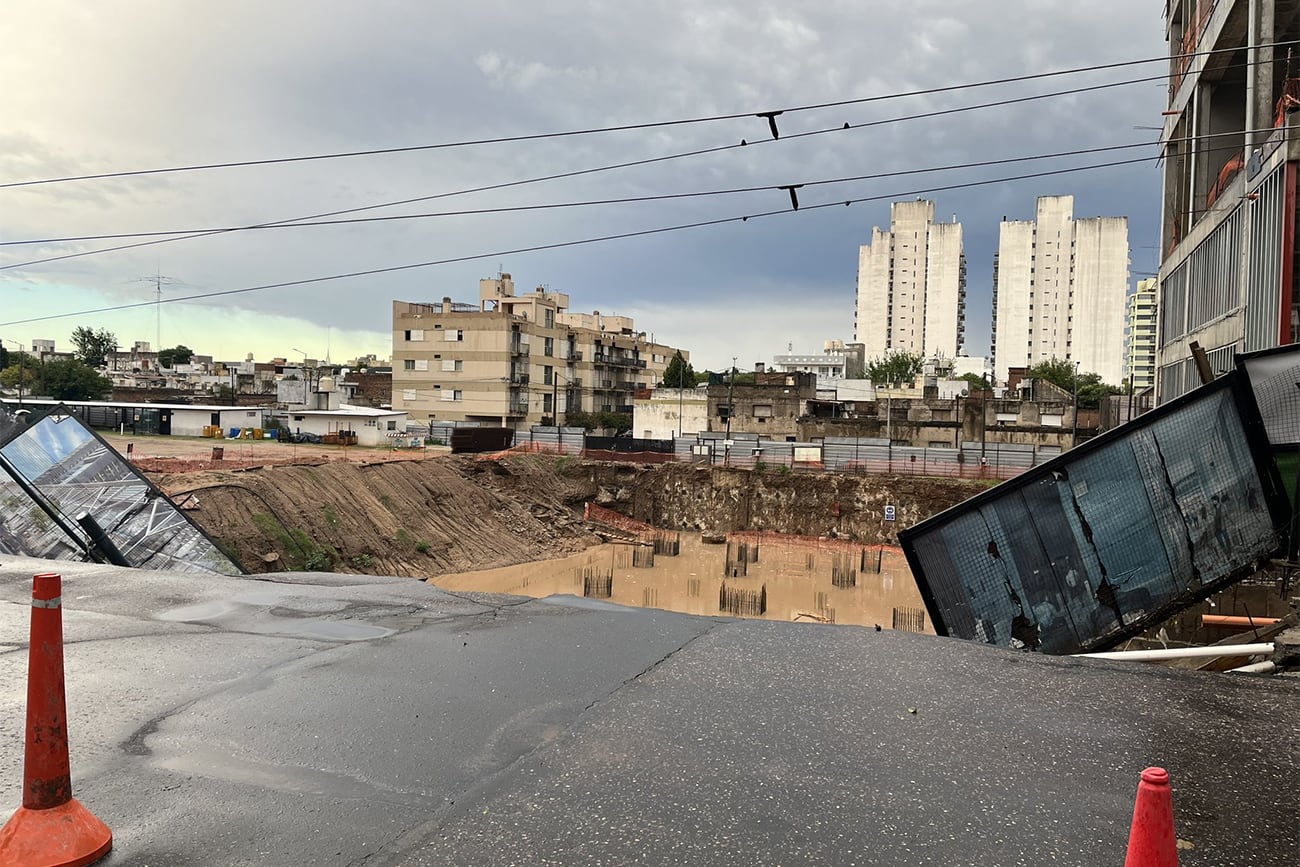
(580, 242)
(304, 223)
(769, 115)
(580, 172)
(570, 204)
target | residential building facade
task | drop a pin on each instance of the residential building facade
(1140, 337)
(1059, 287)
(1227, 278)
(515, 361)
(912, 285)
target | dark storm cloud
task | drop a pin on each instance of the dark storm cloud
(196, 83)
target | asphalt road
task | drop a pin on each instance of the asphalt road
(349, 720)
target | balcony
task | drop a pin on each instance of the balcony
(517, 348)
(574, 383)
(517, 407)
(574, 356)
(518, 379)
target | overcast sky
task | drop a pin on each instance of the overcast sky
(125, 86)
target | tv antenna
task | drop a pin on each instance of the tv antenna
(158, 280)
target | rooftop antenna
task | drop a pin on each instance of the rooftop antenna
(158, 280)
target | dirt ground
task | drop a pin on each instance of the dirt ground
(153, 453)
(416, 512)
(409, 512)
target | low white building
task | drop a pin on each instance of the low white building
(668, 412)
(371, 427)
(161, 419)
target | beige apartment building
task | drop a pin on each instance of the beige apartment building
(517, 360)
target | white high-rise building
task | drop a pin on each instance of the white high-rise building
(1059, 288)
(912, 285)
(1140, 335)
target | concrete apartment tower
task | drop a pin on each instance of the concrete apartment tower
(1059, 287)
(1140, 336)
(912, 285)
(1228, 274)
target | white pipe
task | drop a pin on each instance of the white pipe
(1183, 652)
(1268, 666)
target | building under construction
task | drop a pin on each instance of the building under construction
(1227, 277)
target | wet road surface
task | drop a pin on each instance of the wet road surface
(332, 719)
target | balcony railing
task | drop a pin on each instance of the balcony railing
(574, 356)
(518, 379)
(517, 408)
(519, 349)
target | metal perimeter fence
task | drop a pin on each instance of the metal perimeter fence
(859, 456)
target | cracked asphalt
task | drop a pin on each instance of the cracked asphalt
(353, 720)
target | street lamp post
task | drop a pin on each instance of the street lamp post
(731, 407)
(681, 386)
(1074, 418)
(984, 415)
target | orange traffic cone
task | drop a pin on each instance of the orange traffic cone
(50, 829)
(1151, 840)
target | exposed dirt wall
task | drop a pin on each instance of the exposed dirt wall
(459, 513)
(715, 499)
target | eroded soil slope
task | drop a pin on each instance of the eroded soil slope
(416, 518)
(457, 513)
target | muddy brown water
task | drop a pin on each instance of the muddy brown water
(791, 579)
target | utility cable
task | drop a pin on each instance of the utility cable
(600, 202)
(769, 115)
(580, 172)
(576, 243)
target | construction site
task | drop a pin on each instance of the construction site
(479, 657)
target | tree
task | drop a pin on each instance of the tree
(1062, 374)
(9, 377)
(4, 357)
(678, 373)
(180, 354)
(896, 368)
(69, 379)
(1058, 372)
(974, 382)
(619, 422)
(93, 346)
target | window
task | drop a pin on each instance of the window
(762, 410)
(408, 364)
(451, 394)
(453, 334)
(392, 424)
(547, 373)
(370, 422)
(422, 364)
(549, 348)
(408, 394)
(452, 365)
(413, 334)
